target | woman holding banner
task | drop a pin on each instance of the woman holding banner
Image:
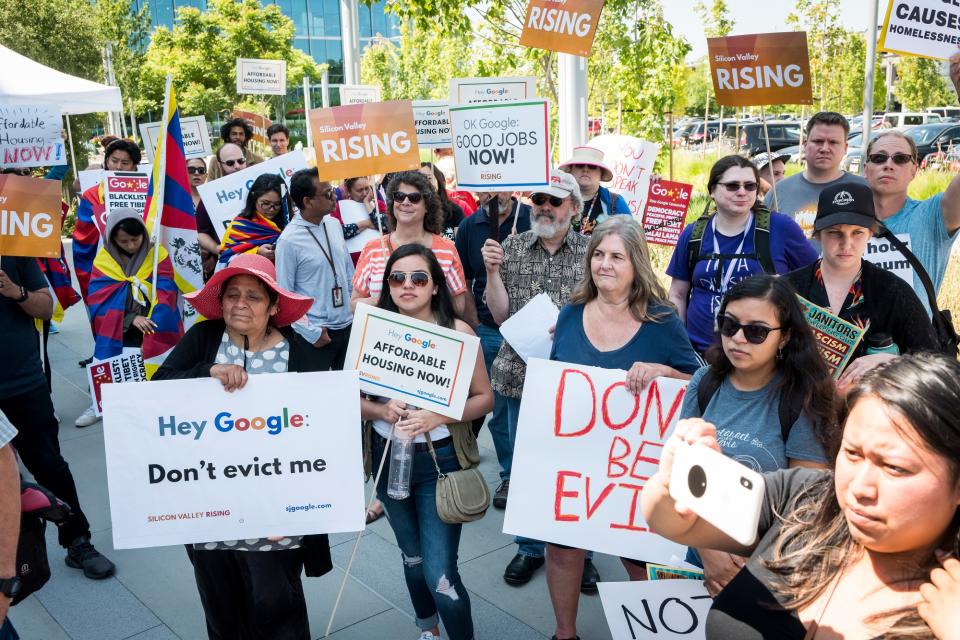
(414, 285)
(259, 225)
(769, 388)
(619, 318)
(843, 554)
(249, 588)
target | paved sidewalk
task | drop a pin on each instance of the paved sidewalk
(153, 595)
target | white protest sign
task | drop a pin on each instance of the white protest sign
(30, 137)
(188, 462)
(585, 448)
(528, 330)
(656, 609)
(355, 212)
(224, 198)
(125, 190)
(883, 254)
(481, 90)
(432, 121)
(631, 161)
(419, 362)
(502, 146)
(359, 94)
(89, 178)
(267, 77)
(928, 28)
(123, 368)
(196, 138)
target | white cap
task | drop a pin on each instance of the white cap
(562, 184)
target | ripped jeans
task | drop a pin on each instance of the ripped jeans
(428, 545)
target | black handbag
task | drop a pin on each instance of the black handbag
(37, 506)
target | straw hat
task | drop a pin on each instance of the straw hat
(590, 156)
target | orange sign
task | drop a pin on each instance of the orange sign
(760, 69)
(364, 139)
(567, 26)
(259, 124)
(29, 217)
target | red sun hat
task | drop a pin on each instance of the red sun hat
(290, 306)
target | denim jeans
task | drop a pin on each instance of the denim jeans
(428, 545)
(490, 341)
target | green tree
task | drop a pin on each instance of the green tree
(849, 61)
(920, 84)
(716, 19)
(127, 31)
(821, 21)
(202, 48)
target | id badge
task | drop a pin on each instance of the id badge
(337, 294)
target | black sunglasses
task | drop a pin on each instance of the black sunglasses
(736, 186)
(540, 198)
(898, 158)
(754, 333)
(414, 197)
(238, 161)
(417, 278)
(197, 170)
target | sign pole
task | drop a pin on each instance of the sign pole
(720, 132)
(306, 109)
(133, 120)
(766, 137)
(76, 172)
(670, 148)
(160, 157)
(868, 79)
(706, 115)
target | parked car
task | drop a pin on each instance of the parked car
(853, 160)
(751, 140)
(696, 136)
(904, 119)
(945, 112)
(934, 137)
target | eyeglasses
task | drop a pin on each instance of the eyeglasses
(198, 171)
(230, 163)
(268, 205)
(898, 158)
(417, 278)
(754, 333)
(584, 166)
(414, 198)
(733, 187)
(540, 199)
(328, 194)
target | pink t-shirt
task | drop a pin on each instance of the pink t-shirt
(368, 279)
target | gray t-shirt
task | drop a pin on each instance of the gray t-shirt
(748, 426)
(798, 197)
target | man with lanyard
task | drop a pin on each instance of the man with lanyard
(472, 233)
(547, 259)
(599, 203)
(312, 260)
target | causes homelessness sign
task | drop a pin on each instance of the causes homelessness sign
(836, 338)
(928, 28)
(760, 69)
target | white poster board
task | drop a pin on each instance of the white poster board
(585, 448)
(225, 197)
(883, 254)
(30, 136)
(926, 28)
(421, 363)
(432, 120)
(118, 369)
(188, 462)
(631, 161)
(359, 94)
(196, 138)
(481, 90)
(354, 212)
(502, 146)
(264, 77)
(655, 609)
(122, 189)
(528, 330)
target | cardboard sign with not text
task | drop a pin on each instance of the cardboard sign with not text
(760, 69)
(567, 26)
(651, 609)
(29, 216)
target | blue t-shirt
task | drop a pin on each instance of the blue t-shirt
(748, 426)
(929, 239)
(662, 342)
(789, 250)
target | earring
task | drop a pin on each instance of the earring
(779, 353)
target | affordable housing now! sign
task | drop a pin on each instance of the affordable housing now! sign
(760, 69)
(264, 77)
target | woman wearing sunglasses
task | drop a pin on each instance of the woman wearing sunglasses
(197, 173)
(415, 216)
(767, 389)
(740, 239)
(259, 225)
(414, 285)
(856, 290)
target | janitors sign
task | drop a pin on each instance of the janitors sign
(760, 69)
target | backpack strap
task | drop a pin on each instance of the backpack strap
(696, 241)
(761, 240)
(709, 384)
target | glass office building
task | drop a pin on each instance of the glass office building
(316, 25)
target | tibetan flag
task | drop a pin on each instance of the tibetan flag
(169, 202)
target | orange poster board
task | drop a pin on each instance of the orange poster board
(567, 26)
(364, 139)
(760, 69)
(259, 124)
(29, 217)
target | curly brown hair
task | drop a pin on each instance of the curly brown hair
(433, 218)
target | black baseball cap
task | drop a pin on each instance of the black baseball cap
(845, 203)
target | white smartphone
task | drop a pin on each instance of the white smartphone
(720, 490)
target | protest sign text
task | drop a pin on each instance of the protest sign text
(666, 211)
(567, 26)
(30, 137)
(760, 69)
(265, 77)
(927, 28)
(29, 216)
(648, 609)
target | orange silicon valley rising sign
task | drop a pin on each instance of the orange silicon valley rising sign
(760, 69)
(567, 26)
(364, 139)
(29, 217)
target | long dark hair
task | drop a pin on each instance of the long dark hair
(814, 541)
(433, 218)
(802, 370)
(265, 184)
(441, 304)
(728, 162)
(446, 204)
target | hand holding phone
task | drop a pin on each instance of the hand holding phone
(720, 490)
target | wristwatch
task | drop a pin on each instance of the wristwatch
(24, 294)
(10, 587)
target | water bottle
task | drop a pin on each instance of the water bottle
(401, 464)
(882, 343)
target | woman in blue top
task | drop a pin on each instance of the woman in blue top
(619, 318)
(740, 240)
(767, 390)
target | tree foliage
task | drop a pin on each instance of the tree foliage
(716, 19)
(825, 37)
(128, 31)
(920, 84)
